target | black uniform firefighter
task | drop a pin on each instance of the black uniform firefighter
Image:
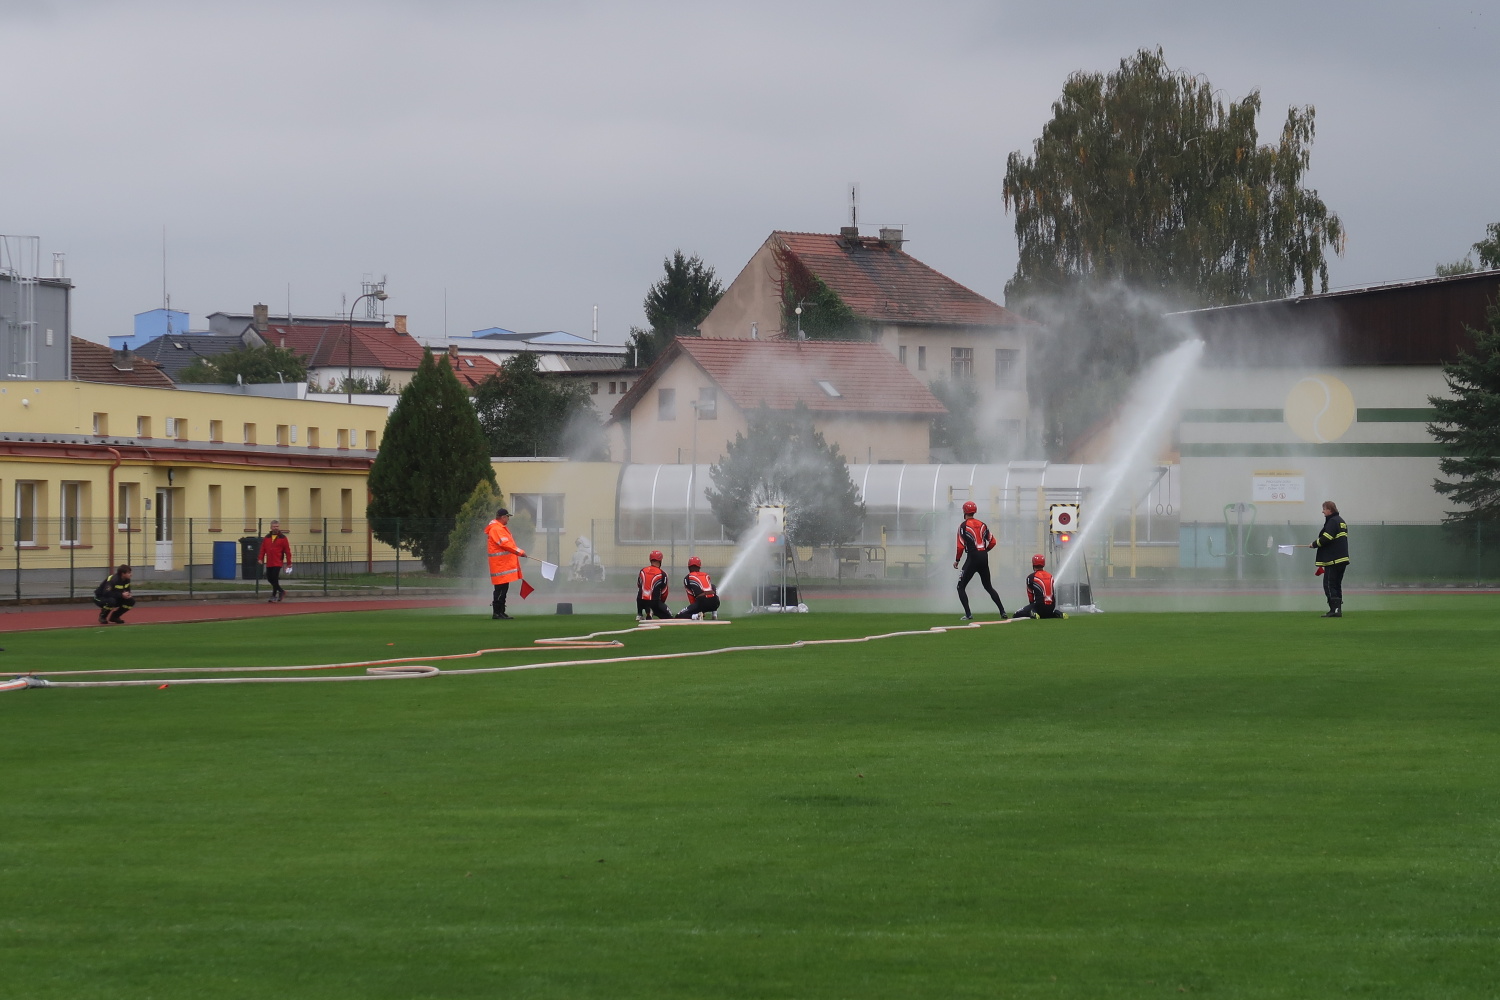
(1332, 559)
(1039, 593)
(974, 544)
(702, 599)
(651, 590)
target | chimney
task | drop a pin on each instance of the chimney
(894, 235)
(398, 322)
(849, 232)
(124, 361)
(452, 352)
(262, 317)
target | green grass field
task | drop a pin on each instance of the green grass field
(1241, 805)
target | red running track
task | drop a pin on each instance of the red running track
(87, 616)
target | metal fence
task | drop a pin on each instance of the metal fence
(67, 557)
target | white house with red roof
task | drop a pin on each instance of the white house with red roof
(934, 327)
(698, 393)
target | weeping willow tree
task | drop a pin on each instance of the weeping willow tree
(1144, 179)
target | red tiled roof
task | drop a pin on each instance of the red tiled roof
(373, 347)
(880, 282)
(782, 374)
(93, 362)
(472, 370)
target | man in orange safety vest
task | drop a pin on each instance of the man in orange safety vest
(505, 560)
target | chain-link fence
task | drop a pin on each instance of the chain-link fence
(67, 557)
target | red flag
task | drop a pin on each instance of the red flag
(526, 590)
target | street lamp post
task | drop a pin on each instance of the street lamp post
(378, 295)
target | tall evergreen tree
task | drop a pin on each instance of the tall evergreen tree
(1468, 425)
(782, 459)
(432, 456)
(675, 305)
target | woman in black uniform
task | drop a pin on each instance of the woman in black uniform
(1332, 544)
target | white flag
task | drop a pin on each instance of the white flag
(1286, 550)
(549, 571)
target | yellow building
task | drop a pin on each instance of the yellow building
(91, 474)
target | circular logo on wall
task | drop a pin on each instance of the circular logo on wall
(1319, 409)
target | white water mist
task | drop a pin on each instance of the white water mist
(1141, 429)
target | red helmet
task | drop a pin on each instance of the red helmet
(1038, 560)
(655, 555)
(694, 562)
(970, 508)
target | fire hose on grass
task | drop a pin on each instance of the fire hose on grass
(418, 667)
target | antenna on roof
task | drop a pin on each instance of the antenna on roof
(596, 324)
(854, 204)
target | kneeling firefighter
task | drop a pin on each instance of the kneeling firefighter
(702, 599)
(1039, 592)
(651, 590)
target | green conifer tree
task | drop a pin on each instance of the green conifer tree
(1468, 424)
(432, 456)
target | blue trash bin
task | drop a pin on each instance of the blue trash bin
(226, 556)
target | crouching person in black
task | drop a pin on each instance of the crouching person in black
(702, 600)
(1043, 602)
(113, 596)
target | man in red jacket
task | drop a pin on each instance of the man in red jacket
(275, 554)
(974, 544)
(651, 590)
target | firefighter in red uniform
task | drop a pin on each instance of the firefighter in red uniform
(702, 599)
(1039, 592)
(974, 542)
(651, 590)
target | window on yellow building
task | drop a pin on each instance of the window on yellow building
(313, 437)
(27, 499)
(346, 510)
(251, 524)
(74, 516)
(128, 507)
(315, 508)
(249, 433)
(216, 431)
(101, 425)
(369, 440)
(283, 435)
(142, 427)
(215, 508)
(343, 441)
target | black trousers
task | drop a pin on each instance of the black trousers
(1033, 611)
(273, 577)
(701, 606)
(657, 608)
(497, 600)
(977, 566)
(115, 607)
(1333, 584)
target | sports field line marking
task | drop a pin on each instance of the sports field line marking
(407, 667)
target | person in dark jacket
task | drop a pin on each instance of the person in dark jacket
(113, 596)
(1332, 544)
(702, 598)
(973, 546)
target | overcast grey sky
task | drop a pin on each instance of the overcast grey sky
(536, 159)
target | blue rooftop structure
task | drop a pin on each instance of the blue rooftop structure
(543, 337)
(149, 326)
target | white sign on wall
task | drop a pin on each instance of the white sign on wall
(1277, 488)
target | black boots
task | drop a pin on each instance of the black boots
(1334, 610)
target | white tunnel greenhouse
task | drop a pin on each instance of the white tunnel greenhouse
(904, 504)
